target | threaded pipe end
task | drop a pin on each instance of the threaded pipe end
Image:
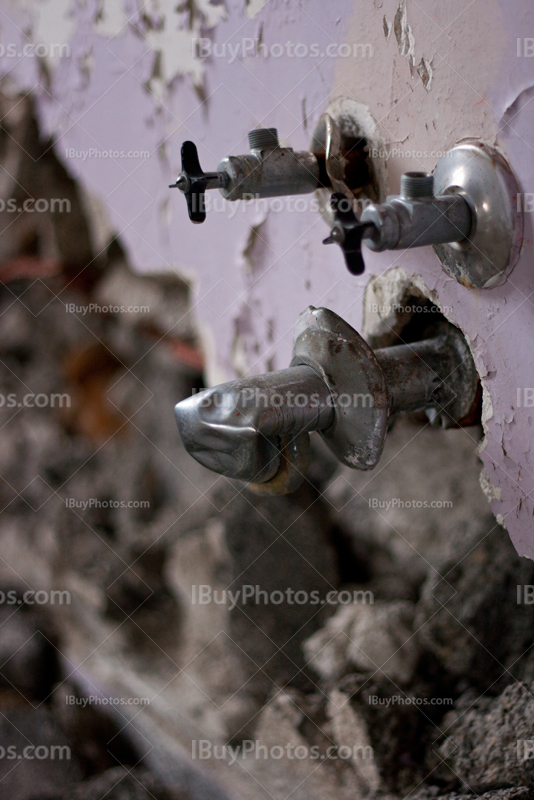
(417, 184)
(263, 138)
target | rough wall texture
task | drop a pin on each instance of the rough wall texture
(427, 619)
(433, 76)
(448, 580)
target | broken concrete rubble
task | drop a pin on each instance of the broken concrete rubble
(410, 688)
(488, 744)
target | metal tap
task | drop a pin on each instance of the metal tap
(268, 170)
(467, 210)
(413, 218)
(256, 430)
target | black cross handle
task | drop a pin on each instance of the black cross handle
(348, 232)
(193, 182)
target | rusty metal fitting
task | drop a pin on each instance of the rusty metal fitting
(256, 430)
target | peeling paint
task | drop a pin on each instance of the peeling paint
(513, 106)
(110, 20)
(253, 239)
(53, 23)
(492, 492)
(172, 34)
(403, 34)
(487, 405)
(450, 108)
(252, 7)
(424, 70)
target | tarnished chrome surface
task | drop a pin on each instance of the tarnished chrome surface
(295, 458)
(256, 429)
(415, 222)
(352, 373)
(468, 211)
(413, 218)
(334, 161)
(436, 375)
(482, 176)
(268, 170)
(273, 172)
(235, 428)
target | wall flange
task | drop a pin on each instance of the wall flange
(482, 176)
(348, 140)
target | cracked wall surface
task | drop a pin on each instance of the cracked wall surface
(438, 74)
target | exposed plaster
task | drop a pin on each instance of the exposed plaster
(513, 107)
(406, 44)
(432, 121)
(51, 22)
(253, 239)
(384, 295)
(424, 70)
(110, 20)
(242, 342)
(173, 33)
(252, 7)
(403, 34)
(492, 492)
(351, 727)
(171, 30)
(382, 323)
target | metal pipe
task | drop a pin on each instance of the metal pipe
(415, 374)
(234, 428)
(239, 429)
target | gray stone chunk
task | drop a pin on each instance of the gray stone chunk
(489, 743)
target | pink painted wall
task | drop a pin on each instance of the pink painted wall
(132, 84)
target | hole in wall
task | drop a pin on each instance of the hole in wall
(399, 309)
(361, 149)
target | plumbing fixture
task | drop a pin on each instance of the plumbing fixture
(270, 170)
(467, 210)
(256, 429)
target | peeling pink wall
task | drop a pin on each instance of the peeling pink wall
(116, 93)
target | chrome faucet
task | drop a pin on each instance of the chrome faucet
(256, 429)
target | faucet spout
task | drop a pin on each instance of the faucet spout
(255, 430)
(235, 428)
